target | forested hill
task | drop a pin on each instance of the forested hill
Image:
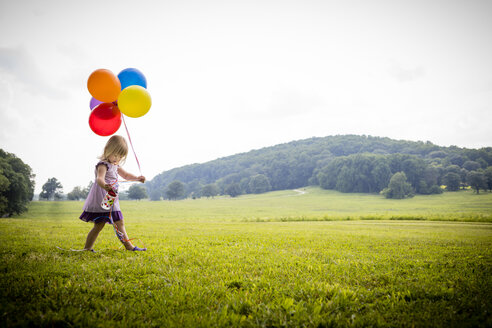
(348, 163)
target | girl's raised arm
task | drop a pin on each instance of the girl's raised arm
(129, 176)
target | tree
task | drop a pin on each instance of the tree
(210, 190)
(346, 179)
(52, 189)
(233, 189)
(137, 192)
(175, 190)
(16, 184)
(194, 189)
(328, 175)
(398, 187)
(76, 194)
(457, 159)
(452, 181)
(413, 168)
(488, 176)
(4, 186)
(463, 178)
(437, 154)
(431, 175)
(244, 185)
(423, 188)
(453, 169)
(471, 166)
(155, 194)
(477, 180)
(482, 162)
(259, 184)
(381, 174)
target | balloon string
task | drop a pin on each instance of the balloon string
(131, 144)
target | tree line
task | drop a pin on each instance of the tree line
(16, 184)
(53, 189)
(348, 163)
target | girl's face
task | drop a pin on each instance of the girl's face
(114, 159)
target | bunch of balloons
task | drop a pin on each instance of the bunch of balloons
(113, 95)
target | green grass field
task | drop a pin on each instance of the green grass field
(282, 259)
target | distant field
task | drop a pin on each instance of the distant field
(304, 204)
(232, 262)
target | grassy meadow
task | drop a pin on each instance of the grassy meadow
(305, 258)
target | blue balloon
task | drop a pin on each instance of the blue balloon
(132, 76)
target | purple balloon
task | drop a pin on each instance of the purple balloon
(95, 102)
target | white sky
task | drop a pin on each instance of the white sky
(230, 76)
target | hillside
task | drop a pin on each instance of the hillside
(347, 163)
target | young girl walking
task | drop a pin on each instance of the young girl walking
(107, 171)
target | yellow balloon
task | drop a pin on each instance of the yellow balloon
(134, 101)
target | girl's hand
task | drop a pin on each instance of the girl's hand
(107, 187)
(141, 179)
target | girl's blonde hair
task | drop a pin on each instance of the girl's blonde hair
(116, 145)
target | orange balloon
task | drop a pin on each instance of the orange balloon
(104, 85)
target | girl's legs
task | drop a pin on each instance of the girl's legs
(121, 227)
(92, 235)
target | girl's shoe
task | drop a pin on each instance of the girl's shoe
(139, 249)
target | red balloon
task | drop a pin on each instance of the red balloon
(105, 119)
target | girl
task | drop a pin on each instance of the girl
(106, 172)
